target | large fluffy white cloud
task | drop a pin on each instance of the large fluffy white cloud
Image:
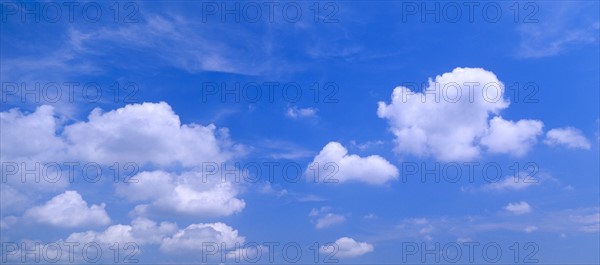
(68, 210)
(141, 133)
(450, 119)
(373, 169)
(569, 137)
(190, 193)
(347, 248)
(145, 133)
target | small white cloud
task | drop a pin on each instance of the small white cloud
(522, 182)
(366, 145)
(267, 188)
(347, 247)
(69, 210)
(589, 223)
(310, 198)
(334, 165)
(530, 228)
(294, 112)
(569, 137)
(370, 216)
(329, 219)
(192, 238)
(518, 208)
(324, 218)
(418, 227)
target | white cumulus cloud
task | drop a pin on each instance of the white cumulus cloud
(145, 133)
(324, 218)
(518, 207)
(511, 137)
(333, 164)
(189, 193)
(569, 137)
(347, 248)
(193, 237)
(141, 231)
(30, 135)
(295, 112)
(141, 133)
(450, 119)
(69, 210)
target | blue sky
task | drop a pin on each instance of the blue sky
(347, 91)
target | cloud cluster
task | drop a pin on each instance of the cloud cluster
(141, 232)
(450, 119)
(457, 117)
(166, 235)
(146, 134)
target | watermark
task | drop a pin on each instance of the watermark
(53, 172)
(453, 92)
(252, 92)
(257, 172)
(268, 11)
(233, 172)
(52, 92)
(269, 252)
(254, 172)
(468, 252)
(469, 11)
(471, 172)
(69, 252)
(71, 12)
